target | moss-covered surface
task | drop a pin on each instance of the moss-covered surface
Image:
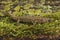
(11, 30)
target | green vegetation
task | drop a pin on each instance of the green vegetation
(24, 8)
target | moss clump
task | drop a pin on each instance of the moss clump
(9, 27)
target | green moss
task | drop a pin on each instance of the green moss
(10, 27)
